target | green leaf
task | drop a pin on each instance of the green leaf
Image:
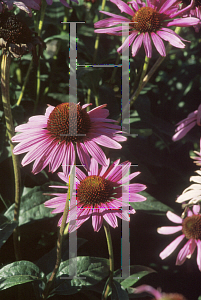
(118, 292)
(137, 272)
(6, 229)
(150, 205)
(20, 272)
(32, 205)
(47, 262)
(93, 269)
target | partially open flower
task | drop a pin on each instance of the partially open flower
(17, 38)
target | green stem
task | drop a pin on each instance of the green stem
(62, 232)
(144, 71)
(40, 26)
(98, 35)
(25, 83)
(137, 92)
(5, 82)
(111, 258)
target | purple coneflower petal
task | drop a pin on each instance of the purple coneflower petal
(174, 218)
(187, 250)
(137, 44)
(173, 40)
(147, 45)
(198, 242)
(169, 229)
(171, 247)
(83, 155)
(97, 219)
(158, 43)
(123, 7)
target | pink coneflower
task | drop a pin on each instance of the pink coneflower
(157, 294)
(184, 126)
(193, 192)
(147, 23)
(191, 230)
(100, 195)
(194, 12)
(46, 137)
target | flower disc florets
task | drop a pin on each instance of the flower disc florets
(94, 190)
(191, 227)
(60, 119)
(14, 30)
(17, 38)
(147, 19)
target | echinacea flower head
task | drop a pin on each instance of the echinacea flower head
(147, 22)
(191, 230)
(17, 38)
(157, 294)
(100, 194)
(47, 140)
(184, 126)
(193, 192)
(194, 12)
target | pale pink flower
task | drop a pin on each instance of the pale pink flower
(157, 294)
(191, 230)
(148, 22)
(193, 192)
(46, 137)
(101, 195)
(184, 126)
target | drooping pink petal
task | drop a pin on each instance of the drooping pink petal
(184, 252)
(147, 45)
(173, 40)
(137, 44)
(128, 41)
(83, 155)
(97, 219)
(169, 229)
(174, 218)
(158, 43)
(123, 7)
(171, 247)
(148, 289)
(184, 22)
(96, 152)
(198, 242)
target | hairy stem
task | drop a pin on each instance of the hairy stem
(111, 259)
(5, 81)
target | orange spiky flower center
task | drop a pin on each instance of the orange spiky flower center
(94, 190)
(147, 19)
(191, 227)
(67, 115)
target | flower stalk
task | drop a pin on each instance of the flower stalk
(62, 232)
(98, 35)
(40, 26)
(111, 259)
(5, 82)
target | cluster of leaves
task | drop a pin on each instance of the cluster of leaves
(165, 166)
